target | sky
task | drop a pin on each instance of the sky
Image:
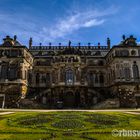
(59, 21)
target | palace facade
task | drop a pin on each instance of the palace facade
(70, 76)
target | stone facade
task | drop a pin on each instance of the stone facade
(70, 76)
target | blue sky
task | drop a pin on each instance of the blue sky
(76, 20)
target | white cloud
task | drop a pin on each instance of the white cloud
(93, 22)
(75, 21)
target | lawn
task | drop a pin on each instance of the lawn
(66, 125)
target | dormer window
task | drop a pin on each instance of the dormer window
(133, 52)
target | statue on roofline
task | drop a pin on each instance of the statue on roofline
(69, 44)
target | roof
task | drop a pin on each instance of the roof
(8, 42)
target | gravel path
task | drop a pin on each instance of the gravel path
(135, 113)
(54, 110)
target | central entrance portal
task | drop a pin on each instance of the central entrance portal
(69, 99)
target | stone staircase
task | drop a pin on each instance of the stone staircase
(108, 104)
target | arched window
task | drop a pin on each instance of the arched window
(43, 78)
(12, 73)
(117, 72)
(4, 71)
(62, 75)
(135, 71)
(37, 78)
(96, 78)
(25, 75)
(91, 78)
(101, 78)
(113, 75)
(69, 77)
(29, 77)
(127, 73)
(48, 78)
(121, 73)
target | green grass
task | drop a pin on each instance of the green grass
(66, 125)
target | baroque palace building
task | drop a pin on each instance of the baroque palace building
(73, 76)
